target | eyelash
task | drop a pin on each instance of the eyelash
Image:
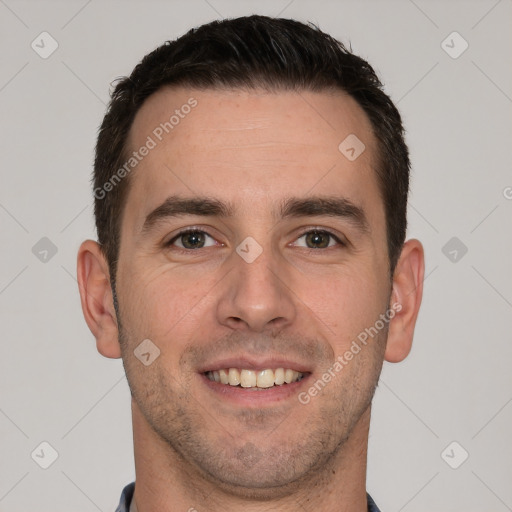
(185, 232)
(323, 231)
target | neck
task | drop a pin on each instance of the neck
(166, 482)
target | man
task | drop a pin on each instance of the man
(251, 184)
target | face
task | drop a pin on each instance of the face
(253, 250)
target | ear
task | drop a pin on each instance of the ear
(96, 297)
(407, 292)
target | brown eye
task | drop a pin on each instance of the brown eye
(192, 239)
(318, 239)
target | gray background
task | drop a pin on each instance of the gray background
(455, 386)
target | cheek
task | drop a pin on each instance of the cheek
(165, 305)
(347, 302)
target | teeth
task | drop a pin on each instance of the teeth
(290, 376)
(265, 379)
(234, 377)
(247, 379)
(255, 379)
(279, 376)
(224, 377)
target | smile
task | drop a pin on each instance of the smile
(262, 379)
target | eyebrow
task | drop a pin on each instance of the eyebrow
(176, 206)
(326, 206)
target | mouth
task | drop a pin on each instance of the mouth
(254, 379)
(252, 384)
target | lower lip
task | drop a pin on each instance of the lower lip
(254, 396)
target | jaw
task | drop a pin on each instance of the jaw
(247, 472)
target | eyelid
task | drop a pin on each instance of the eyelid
(193, 229)
(339, 239)
(184, 231)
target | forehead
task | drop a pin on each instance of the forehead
(251, 148)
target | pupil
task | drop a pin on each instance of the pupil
(193, 240)
(317, 240)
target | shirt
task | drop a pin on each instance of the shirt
(125, 505)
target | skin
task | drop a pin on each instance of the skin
(254, 150)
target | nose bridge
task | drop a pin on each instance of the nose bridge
(256, 296)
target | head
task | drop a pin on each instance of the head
(290, 56)
(277, 152)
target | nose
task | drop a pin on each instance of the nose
(257, 296)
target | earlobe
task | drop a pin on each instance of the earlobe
(407, 293)
(96, 298)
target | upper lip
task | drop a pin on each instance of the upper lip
(251, 363)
